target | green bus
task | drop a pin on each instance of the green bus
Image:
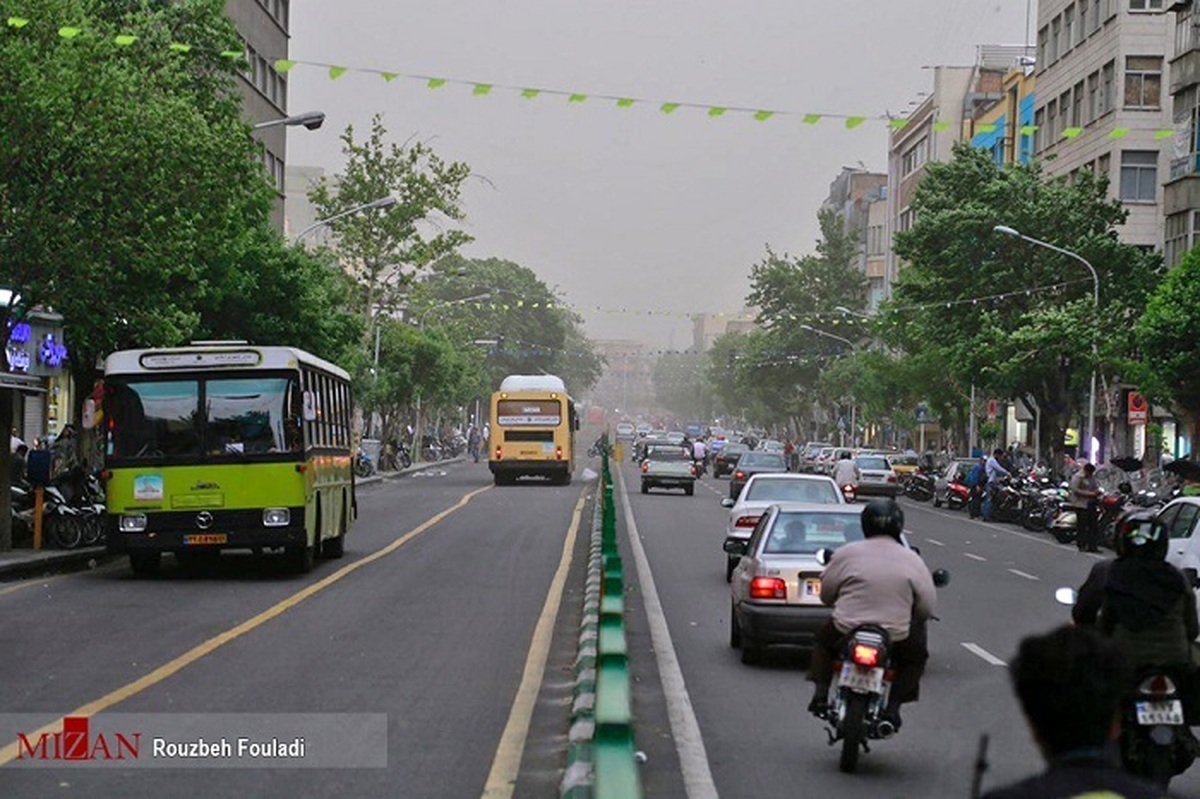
(224, 445)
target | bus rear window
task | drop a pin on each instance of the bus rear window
(528, 435)
(529, 413)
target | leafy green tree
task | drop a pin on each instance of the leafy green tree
(1166, 338)
(384, 248)
(977, 303)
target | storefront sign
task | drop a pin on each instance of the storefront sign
(35, 347)
(1137, 408)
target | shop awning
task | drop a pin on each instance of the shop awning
(23, 383)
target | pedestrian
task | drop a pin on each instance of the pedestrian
(996, 475)
(1084, 497)
(1070, 683)
(20, 463)
(473, 441)
(976, 480)
(789, 453)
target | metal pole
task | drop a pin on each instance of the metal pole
(971, 425)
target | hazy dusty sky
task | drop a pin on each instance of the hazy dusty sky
(632, 210)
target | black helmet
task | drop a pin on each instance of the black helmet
(882, 517)
(1140, 535)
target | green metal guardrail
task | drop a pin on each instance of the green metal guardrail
(602, 759)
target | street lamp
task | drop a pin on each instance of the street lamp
(382, 202)
(853, 402)
(311, 120)
(1091, 425)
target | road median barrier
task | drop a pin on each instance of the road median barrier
(602, 758)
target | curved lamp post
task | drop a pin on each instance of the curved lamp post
(853, 347)
(1091, 422)
(382, 202)
(310, 119)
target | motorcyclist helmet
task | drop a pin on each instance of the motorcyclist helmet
(1141, 535)
(882, 517)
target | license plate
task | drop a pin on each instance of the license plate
(812, 586)
(205, 538)
(1168, 712)
(861, 678)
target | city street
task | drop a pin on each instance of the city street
(439, 632)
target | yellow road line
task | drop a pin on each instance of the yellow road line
(9, 753)
(502, 779)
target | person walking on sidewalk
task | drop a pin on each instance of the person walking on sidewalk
(1085, 493)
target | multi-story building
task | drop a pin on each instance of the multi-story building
(263, 26)
(851, 196)
(1100, 101)
(708, 327)
(1181, 193)
(1005, 128)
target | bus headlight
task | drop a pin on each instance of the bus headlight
(133, 523)
(276, 517)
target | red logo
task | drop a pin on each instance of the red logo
(76, 742)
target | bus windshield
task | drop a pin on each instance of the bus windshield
(241, 416)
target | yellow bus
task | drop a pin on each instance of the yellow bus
(533, 424)
(224, 445)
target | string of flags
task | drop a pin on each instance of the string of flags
(482, 88)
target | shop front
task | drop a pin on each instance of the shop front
(36, 359)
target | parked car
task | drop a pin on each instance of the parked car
(956, 471)
(723, 461)
(877, 477)
(1181, 516)
(752, 463)
(764, 490)
(808, 455)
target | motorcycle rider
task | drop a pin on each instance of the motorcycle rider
(699, 455)
(1070, 683)
(1144, 603)
(996, 475)
(846, 471)
(876, 581)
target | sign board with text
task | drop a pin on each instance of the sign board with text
(1137, 408)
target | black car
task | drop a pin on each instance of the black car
(726, 457)
(754, 463)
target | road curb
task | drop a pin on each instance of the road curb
(379, 477)
(38, 563)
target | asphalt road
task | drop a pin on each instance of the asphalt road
(752, 736)
(438, 628)
(436, 634)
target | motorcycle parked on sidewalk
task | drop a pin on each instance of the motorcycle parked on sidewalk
(919, 486)
(1155, 741)
(364, 466)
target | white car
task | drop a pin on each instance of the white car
(625, 432)
(877, 477)
(764, 490)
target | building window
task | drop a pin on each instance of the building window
(1108, 76)
(1097, 16)
(1039, 127)
(1143, 82)
(1103, 165)
(1139, 175)
(1083, 19)
(1051, 123)
(1077, 105)
(1186, 153)
(914, 157)
(1043, 36)
(1069, 32)
(1064, 113)
(1093, 97)
(907, 218)
(1175, 238)
(1107, 10)
(1145, 5)
(1055, 38)
(1185, 31)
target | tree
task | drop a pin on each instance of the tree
(1165, 335)
(383, 248)
(981, 305)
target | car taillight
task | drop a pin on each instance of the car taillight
(645, 466)
(891, 478)
(747, 521)
(865, 655)
(1157, 685)
(558, 453)
(768, 588)
(497, 453)
(739, 475)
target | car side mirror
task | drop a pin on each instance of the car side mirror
(941, 578)
(735, 546)
(823, 555)
(727, 503)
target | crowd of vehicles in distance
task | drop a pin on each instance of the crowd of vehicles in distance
(224, 445)
(764, 490)
(668, 466)
(532, 431)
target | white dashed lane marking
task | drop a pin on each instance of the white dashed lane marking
(935, 542)
(1026, 575)
(973, 556)
(976, 649)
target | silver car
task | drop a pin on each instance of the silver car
(775, 590)
(876, 477)
(764, 490)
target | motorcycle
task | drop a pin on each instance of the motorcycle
(364, 466)
(862, 681)
(1155, 741)
(957, 495)
(919, 487)
(849, 492)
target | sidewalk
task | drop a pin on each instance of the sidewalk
(21, 563)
